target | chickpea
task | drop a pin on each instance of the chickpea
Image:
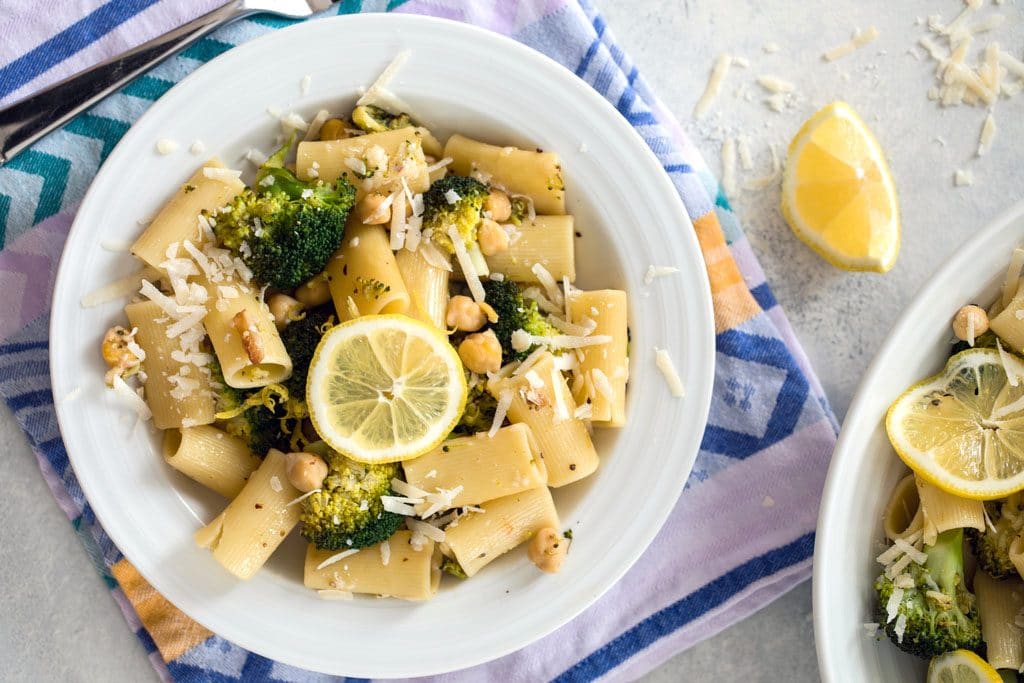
(314, 292)
(499, 206)
(333, 129)
(305, 471)
(284, 309)
(491, 237)
(370, 212)
(464, 314)
(970, 321)
(548, 549)
(481, 352)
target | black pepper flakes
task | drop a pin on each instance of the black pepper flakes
(259, 506)
(572, 467)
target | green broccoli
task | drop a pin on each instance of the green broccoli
(992, 546)
(300, 339)
(347, 511)
(373, 119)
(244, 416)
(286, 230)
(464, 211)
(478, 414)
(514, 313)
(939, 610)
(451, 566)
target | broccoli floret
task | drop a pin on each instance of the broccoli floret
(478, 414)
(347, 511)
(243, 414)
(375, 120)
(992, 547)
(940, 612)
(464, 211)
(514, 313)
(286, 229)
(451, 566)
(300, 339)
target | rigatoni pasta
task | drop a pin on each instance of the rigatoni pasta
(363, 275)
(999, 605)
(217, 460)
(535, 174)
(178, 220)
(244, 536)
(175, 400)
(605, 368)
(541, 400)
(482, 537)
(481, 467)
(393, 568)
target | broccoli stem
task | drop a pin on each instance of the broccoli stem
(945, 560)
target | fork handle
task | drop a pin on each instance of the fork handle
(27, 120)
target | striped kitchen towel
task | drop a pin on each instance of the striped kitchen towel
(746, 517)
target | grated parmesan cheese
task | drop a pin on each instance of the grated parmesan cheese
(859, 40)
(134, 401)
(714, 85)
(500, 411)
(377, 88)
(654, 272)
(301, 498)
(197, 147)
(668, 370)
(304, 84)
(222, 174)
(893, 605)
(313, 132)
(337, 558)
(771, 48)
(385, 553)
(988, 133)
(963, 177)
(118, 289)
(166, 146)
(469, 271)
(774, 84)
(275, 484)
(900, 628)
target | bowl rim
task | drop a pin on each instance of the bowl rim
(701, 325)
(860, 422)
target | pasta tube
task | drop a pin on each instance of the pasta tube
(902, 515)
(537, 175)
(540, 399)
(605, 368)
(943, 511)
(171, 406)
(248, 531)
(393, 568)
(547, 240)
(999, 604)
(178, 219)
(486, 468)
(248, 359)
(334, 159)
(216, 460)
(480, 538)
(427, 287)
(363, 275)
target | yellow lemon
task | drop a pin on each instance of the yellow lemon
(963, 429)
(838, 195)
(385, 388)
(961, 666)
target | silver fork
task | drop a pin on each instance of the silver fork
(24, 122)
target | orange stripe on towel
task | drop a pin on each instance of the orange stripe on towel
(172, 631)
(730, 297)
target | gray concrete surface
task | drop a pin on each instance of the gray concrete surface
(57, 620)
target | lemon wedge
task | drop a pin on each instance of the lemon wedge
(385, 388)
(963, 429)
(961, 666)
(838, 195)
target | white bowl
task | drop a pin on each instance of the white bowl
(865, 469)
(458, 78)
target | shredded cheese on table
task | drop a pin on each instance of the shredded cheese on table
(859, 40)
(714, 85)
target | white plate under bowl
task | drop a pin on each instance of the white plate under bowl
(459, 78)
(865, 468)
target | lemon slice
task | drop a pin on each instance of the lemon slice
(961, 666)
(963, 429)
(385, 388)
(837, 193)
